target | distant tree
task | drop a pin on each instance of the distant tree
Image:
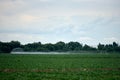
(116, 47)
(14, 44)
(6, 47)
(109, 47)
(115, 44)
(36, 46)
(28, 47)
(73, 46)
(86, 47)
(101, 47)
(60, 46)
(49, 47)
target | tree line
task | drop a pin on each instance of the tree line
(7, 47)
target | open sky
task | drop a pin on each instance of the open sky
(49, 21)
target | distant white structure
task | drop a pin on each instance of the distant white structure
(17, 50)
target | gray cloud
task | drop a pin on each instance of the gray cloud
(88, 21)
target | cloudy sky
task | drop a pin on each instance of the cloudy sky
(50, 21)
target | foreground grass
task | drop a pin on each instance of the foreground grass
(60, 67)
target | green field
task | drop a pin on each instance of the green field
(59, 66)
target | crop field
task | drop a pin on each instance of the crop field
(60, 66)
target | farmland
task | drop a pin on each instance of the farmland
(60, 66)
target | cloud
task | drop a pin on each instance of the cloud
(23, 38)
(87, 21)
(46, 0)
(85, 39)
(28, 18)
(111, 40)
(11, 6)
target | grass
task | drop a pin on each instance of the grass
(60, 67)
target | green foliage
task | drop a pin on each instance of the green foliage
(73, 46)
(32, 46)
(60, 67)
(109, 47)
(101, 46)
(89, 48)
(7, 47)
(60, 46)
